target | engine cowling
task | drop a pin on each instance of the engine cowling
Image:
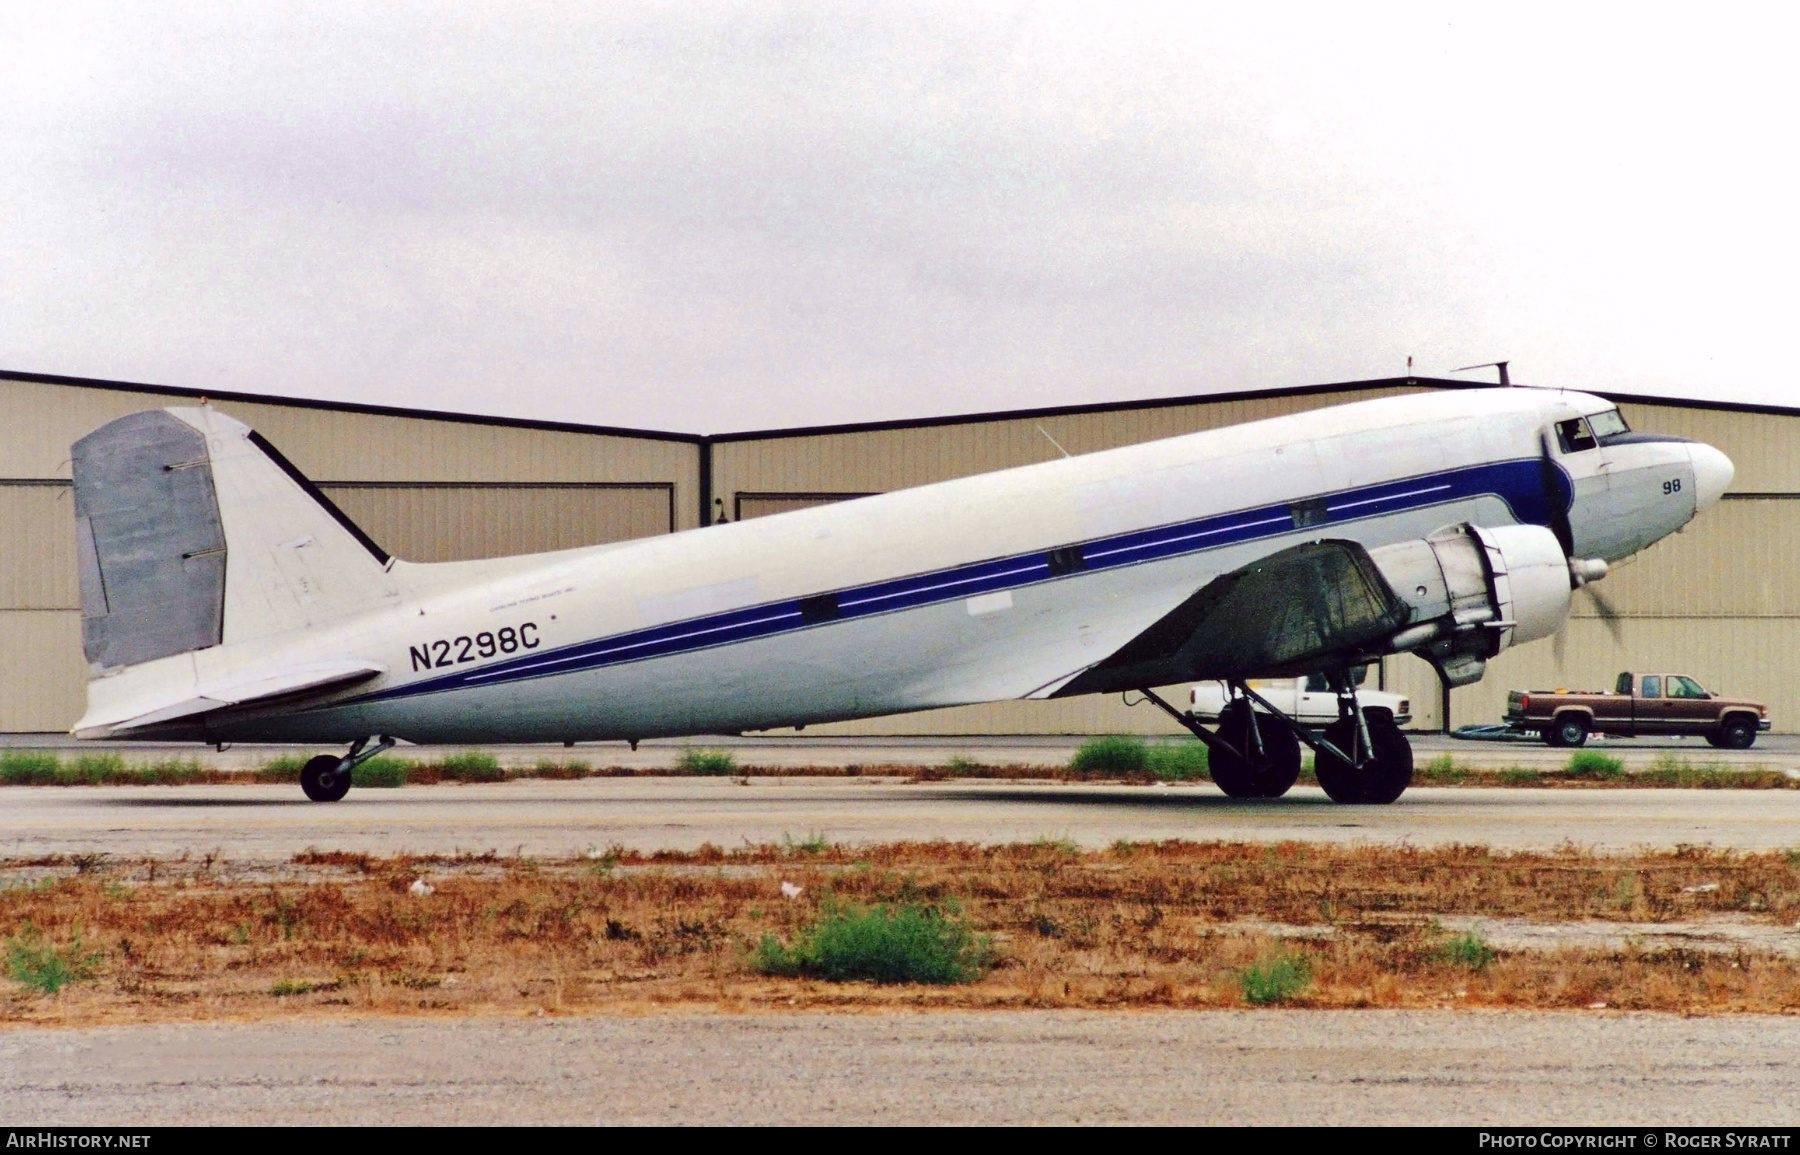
(1475, 590)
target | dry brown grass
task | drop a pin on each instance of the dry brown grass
(1153, 925)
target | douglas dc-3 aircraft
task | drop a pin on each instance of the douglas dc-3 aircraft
(224, 598)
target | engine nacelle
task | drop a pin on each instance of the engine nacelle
(1457, 598)
(1475, 590)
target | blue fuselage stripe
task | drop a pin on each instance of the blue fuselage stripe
(1519, 483)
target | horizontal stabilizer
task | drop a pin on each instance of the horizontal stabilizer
(234, 690)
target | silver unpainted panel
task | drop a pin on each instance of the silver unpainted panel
(150, 542)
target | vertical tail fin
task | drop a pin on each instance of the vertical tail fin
(193, 530)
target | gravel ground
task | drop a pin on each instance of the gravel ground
(1386, 1067)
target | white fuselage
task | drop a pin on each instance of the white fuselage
(958, 592)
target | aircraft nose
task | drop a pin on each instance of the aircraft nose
(1713, 472)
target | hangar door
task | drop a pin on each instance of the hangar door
(748, 505)
(452, 521)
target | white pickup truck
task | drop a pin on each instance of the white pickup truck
(1308, 701)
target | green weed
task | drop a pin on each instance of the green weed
(379, 772)
(910, 943)
(1113, 754)
(27, 768)
(1466, 950)
(283, 769)
(33, 960)
(960, 767)
(1439, 771)
(1519, 776)
(1178, 761)
(472, 766)
(1593, 764)
(563, 771)
(712, 762)
(1275, 979)
(97, 769)
(814, 843)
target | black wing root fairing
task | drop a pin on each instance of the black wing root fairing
(1315, 606)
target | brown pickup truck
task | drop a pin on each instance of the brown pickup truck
(1671, 704)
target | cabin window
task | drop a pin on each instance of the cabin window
(1575, 436)
(1652, 686)
(1607, 425)
(1316, 684)
(1680, 687)
(1624, 685)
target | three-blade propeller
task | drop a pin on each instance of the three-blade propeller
(1557, 500)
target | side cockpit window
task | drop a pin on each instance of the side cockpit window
(1607, 425)
(1575, 436)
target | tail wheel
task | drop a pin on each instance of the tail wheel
(1383, 779)
(1737, 733)
(1270, 777)
(323, 781)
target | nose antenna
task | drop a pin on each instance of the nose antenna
(1500, 365)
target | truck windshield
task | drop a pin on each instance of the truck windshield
(1652, 686)
(1680, 687)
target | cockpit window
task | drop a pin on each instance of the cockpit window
(1575, 436)
(1607, 424)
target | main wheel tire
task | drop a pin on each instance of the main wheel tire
(323, 781)
(1379, 782)
(1272, 777)
(1570, 730)
(1737, 733)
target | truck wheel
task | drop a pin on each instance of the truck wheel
(1567, 730)
(1241, 779)
(1380, 782)
(1737, 733)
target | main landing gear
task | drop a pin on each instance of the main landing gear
(327, 777)
(1255, 753)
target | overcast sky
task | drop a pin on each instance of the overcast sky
(709, 216)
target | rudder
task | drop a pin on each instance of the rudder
(193, 530)
(149, 540)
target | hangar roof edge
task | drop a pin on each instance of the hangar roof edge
(345, 406)
(852, 427)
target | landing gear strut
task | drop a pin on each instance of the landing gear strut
(327, 777)
(1360, 758)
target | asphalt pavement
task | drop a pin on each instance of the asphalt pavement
(1022, 1067)
(544, 817)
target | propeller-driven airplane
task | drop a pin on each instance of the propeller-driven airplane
(224, 598)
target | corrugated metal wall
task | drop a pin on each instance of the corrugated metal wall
(426, 489)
